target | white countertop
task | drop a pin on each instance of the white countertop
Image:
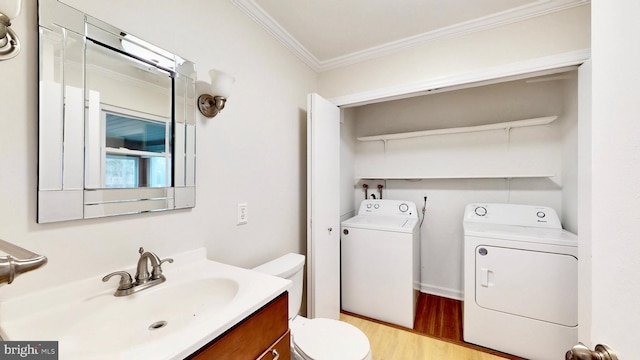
(90, 323)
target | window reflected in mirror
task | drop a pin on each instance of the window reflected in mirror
(128, 145)
(136, 152)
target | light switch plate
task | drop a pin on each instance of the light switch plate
(243, 214)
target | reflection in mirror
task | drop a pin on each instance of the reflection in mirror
(117, 121)
(137, 152)
(129, 143)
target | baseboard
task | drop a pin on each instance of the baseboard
(442, 291)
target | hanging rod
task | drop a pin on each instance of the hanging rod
(467, 129)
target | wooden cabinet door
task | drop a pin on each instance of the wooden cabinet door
(281, 350)
(251, 337)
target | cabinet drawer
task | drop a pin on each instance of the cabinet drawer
(281, 350)
(252, 336)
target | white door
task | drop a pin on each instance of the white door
(323, 208)
(527, 283)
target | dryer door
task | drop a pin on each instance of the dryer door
(527, 283)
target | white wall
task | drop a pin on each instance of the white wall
(615, 185)
(253, 152)
(552, 147)
(551, 34)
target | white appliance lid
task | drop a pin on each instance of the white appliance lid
(521, 233)
(385, 223)
(330, 339)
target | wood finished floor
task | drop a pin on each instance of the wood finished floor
(390, 342)
(441, 318)
(437, 318)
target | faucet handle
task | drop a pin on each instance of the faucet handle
(126, 282)
(156, 273)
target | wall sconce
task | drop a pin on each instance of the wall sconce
(9, 42)
(211, 105)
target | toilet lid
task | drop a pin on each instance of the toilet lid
(322, 339)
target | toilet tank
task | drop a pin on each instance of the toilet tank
(290, 267)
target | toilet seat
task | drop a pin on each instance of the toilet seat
(320, 339)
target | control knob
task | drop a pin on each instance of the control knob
(403, 207)
(481, 211)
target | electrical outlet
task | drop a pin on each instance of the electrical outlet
(243, 214)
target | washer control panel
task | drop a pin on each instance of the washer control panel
(513, 214)
(386, 207)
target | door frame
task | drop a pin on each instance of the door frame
(507, 72)
(490, 75)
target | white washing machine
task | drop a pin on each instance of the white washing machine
(380, 259)
(521, 281)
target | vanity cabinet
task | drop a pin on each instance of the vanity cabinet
(281, 350)
(255, 337)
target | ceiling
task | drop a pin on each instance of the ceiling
(328, 34)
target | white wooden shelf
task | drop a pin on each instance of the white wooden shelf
(444, 177)
(467, 129)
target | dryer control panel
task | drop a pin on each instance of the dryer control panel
(513, 214)
(384, 207)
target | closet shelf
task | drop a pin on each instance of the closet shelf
(497, 126)
(443, 177)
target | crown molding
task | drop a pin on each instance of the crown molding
(258, 15)
(538, 8)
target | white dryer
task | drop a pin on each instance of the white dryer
(380, 260)
(521, 280)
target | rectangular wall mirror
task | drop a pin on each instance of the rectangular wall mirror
(116, 120)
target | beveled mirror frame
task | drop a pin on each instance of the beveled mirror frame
(62, 120)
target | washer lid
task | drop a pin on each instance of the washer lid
(385, 223)
(330, 339)
(521, 233)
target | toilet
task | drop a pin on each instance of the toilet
(315, 339)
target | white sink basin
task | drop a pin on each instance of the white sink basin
(128, 321)
(199, 301)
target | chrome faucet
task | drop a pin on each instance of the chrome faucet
(17, 261)
(144, 279)
(142, 274)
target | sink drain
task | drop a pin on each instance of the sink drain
(157, 325)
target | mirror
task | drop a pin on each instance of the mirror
(116, 121)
